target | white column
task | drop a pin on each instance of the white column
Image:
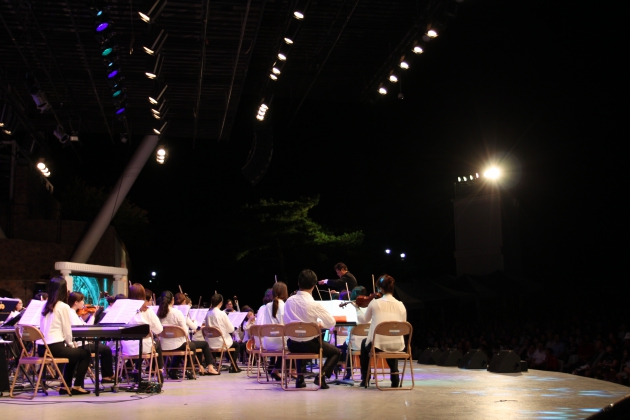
(66, 275)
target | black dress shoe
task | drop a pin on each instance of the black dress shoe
(300, 384)
(363, 384)
(233, 370)
(73, 391)
(174, 376)
(323, 384)
(395, 381)
(190, 375)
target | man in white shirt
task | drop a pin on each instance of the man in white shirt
(301, 307)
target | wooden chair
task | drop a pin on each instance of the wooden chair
(214, 332)
(300, 329)
(270, 331)
(253, 351)
(150, 358)
(27, 334)
(393, 329)
(175, 331)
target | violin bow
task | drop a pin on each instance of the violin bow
(199, 304)
(320, 295)
(373, 286)
(329, 294)
(348, 290)
(276, 276)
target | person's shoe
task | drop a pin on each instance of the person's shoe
(233, 370)
(174, 375)
(300, 383)
(395, 381)
(190, 375)
(364, 383)
(74, 391)
(347, 376)
(323, 384)
(275, 376)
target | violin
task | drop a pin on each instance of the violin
(87, 309)
(362, 301)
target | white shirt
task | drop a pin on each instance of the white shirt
(301, 307)
(265, 317)
(130, 347)
(56, 325)
(173, 317)
(387, 308)
(219, 319)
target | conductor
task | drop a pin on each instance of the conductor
(345, 278)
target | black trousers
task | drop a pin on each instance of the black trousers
(79, 359)
(107, 362)
(330, 352)
(365, 360)
(208, 358)
(176, 360)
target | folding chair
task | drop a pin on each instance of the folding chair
(27, 333)
(300, 329)
(175, 331)
(214, 332)
(270, 331)
(360, 330)
(150, 358)
(393, 329)
(253, 350)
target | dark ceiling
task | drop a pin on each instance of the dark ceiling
(217, 60)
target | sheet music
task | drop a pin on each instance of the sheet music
(332, 307)
(154, 308)
(122, 311)
(184, 309)
(33, 313)
(199, 315)
(236, 318)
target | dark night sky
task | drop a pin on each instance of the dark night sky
(534, 81)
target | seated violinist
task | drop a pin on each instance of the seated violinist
(78, 314)
(219, 319)
(207, 359)
(380, 310)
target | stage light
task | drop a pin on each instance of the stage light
(459, 179)
(431, 33)
(417, 49)
(273, 77)
(404, 65)
(154, 67)
(160, 156)
(476, 175)
(288, 40)
(465, 179)
(388, 251)
(121, 108)
(41, 101)
(275, 70)
(298, 15)
(282, 57)
(41, 166)
(61, 135)
(382, 90)
(149, 15)
(43, 169)
(492, 173)
(157, 44)
(119, 93)
(161, 113)
(393, 78)
(156, 97)
(153, 273)
(113, 72)
(471, 178)
(262, 111)
(402, 256)
(108, 50)
(160, 131)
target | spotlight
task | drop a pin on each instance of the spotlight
(275, 70)
(459, 179)
(388, 251)
(61, 135)
(160, 131)
(121, 108)
(404, 65)
(113, 71)
(150, 14)
(382, 90)
(102, 21)
(160, 156)
(156, 97)
(298, 15)
(417, 49)
(157, 44)
(431, 33)
(119, 93)
(492, 173)
(43, 169)
(108, 51)
(393, 78)
(40, 99)
(9, 128)
(273, 77)
(154, 67)
(262, 111)
(288, 40)
(403, 256)
(161, 112)
(282, 57)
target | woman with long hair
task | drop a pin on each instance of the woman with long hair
(55, 325)
(273, 313)
(219, 319)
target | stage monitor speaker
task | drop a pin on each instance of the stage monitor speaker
(474, 359)
(618, 410)
(429, 356)
(505, 361)
(450, 357)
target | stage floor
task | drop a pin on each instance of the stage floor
(440, 393)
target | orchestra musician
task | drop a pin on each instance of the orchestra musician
(207, 357)
(346, 280)
(273, 313)
(301, 307)
(145, 316)
(219, 319)
(76, 302)
(387, 308)
(56, 327)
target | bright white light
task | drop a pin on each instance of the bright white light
(282, 57)
(388, 251)
(275, 70)
(459, 179)
(144, 17)
(152, 101)
(153, 273)
(471, 177)
(418, 49)
(260, 117)
(273, 76)
(393, 78)
(288, 40)
(263, 106)
(41, 166)
(382, 91)
(492, 173)
(298, 15)
(402, 255)
(465, 179)
(404, 65)
(476, 175)
(431, 33)
(1, 124)
(150, 75)
(161, 152)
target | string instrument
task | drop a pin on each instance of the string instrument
(238, 308)
(362, 301)
(87, 309)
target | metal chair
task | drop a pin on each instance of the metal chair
(25, 333)
(359, 330)
(393, 329)
(300, 329)
(175, 331)
(253, 351)
(270, 331)
(150, 358)
(214, 332)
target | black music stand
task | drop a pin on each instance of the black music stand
(342, 381)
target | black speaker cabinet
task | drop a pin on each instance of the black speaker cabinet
(474, 359)
(450, 357)
(429, 356)
(505, 361)
(618, 410)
